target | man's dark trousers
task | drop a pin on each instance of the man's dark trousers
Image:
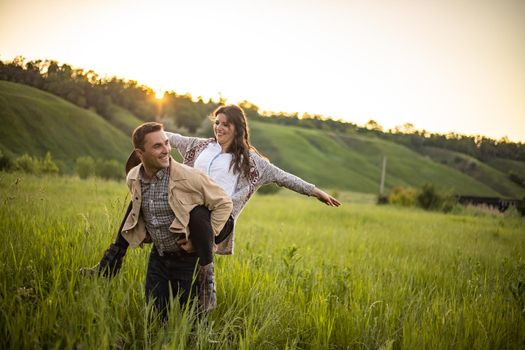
(171, 271)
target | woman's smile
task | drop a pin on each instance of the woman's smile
(224, 131)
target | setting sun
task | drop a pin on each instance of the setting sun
(159, 94)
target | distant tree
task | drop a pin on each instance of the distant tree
(188, 119)
(48, 165)
(109, 169)
(429, 198)
(404, 196)
(27, 164)
(408, 128)
(250, 109)
(373, 125)
(85, 167)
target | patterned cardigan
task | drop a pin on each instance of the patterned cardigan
(261, 172)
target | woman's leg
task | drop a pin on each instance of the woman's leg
(201, 234)
(202, 238)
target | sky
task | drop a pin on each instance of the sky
(444, 66)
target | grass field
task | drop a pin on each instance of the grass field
(313, 277)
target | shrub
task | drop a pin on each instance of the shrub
(27, 164)
(48, 165)
(382, 199)
(405, 196)
(109, 169)
(269, 189)
(448, 203)
(6, 163)
(85, 167)
(106, 169)
(429, 198)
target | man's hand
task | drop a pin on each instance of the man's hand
(326, 198)
(186, 245)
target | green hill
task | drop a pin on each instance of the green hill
(488, 174)
(123, 119)
(354, 162)
(508, 165)
(35, 122)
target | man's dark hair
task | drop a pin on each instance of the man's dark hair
(142, 130)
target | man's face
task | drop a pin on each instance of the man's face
(156, 154)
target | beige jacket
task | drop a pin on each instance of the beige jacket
(188, 188)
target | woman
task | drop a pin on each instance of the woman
(235, 165)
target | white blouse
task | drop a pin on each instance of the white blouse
(217, 166)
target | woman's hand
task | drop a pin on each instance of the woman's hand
(326, 198)
(186, 245)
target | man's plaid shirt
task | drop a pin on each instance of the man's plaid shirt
(157, 212)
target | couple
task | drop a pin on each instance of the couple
(188, 213)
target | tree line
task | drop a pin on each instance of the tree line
(480, 147)
(86, 89)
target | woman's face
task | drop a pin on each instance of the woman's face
(224, 131)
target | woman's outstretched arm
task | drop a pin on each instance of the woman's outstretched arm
(325, 198)
(182, 143)
(271, 173)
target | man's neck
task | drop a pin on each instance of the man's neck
(149, 173)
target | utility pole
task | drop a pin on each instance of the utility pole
(382, 186)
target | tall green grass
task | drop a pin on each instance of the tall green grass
(304, 276)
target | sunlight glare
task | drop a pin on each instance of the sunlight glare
(159, 94)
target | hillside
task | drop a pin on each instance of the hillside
(123, 119)
(35, 122)
(353, 162)
(494, 174)
(508, 165)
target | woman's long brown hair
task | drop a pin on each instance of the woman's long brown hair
(240, 147)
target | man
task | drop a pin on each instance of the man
(163, 194)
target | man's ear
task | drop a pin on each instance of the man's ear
(139, 154)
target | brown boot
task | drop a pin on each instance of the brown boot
(207, 292)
